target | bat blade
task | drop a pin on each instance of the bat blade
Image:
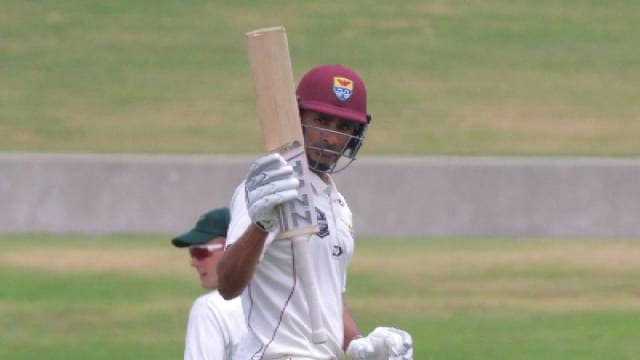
(275, 92)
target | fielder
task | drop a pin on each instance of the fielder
(333, 108)
(215, 325)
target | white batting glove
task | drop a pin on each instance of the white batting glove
(383, 343)
(270, 182)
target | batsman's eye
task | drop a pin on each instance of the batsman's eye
(347, 127)
(321, 120)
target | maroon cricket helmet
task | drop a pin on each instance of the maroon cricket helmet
(334, 90)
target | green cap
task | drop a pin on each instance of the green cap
(209, 226)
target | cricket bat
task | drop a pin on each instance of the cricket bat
(279, 118)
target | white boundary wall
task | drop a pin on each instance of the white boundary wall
(390, 196)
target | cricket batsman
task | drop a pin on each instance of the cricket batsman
(260, 268)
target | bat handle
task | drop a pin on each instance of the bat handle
(310, 288)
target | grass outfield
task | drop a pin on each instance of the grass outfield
(73, 297)
(445, 77)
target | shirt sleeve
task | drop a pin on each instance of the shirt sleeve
(240, 220)
(205, 339)
(239, 216)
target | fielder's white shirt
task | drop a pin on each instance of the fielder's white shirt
(273, 302)
(214, 329)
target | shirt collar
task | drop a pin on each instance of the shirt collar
(319, 186)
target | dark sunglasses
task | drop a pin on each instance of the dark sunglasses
(201, 252)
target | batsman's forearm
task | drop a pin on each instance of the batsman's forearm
(350, 327)
(238, 264)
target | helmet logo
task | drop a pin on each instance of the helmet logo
(342, 88)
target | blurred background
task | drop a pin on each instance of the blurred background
(505, 79)
(445, 77)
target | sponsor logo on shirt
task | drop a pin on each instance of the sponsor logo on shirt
(322, 223)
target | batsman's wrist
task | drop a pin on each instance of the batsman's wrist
(259, 225)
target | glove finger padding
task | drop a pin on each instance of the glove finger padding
(269, 183)
(269, 176)
(272, 188)
(261, 166)
(396, 343)
(262, 209)
(360, 349)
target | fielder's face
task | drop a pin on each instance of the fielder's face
(206, 266)
(326, 137)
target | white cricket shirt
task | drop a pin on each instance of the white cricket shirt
(214, 329)
(273, 302)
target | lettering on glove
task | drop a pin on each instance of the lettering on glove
(383, 343)
(269, 183)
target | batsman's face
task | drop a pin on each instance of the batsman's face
(206, 267)
(326, 136)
